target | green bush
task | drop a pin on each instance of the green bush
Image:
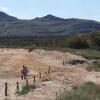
(26, 89)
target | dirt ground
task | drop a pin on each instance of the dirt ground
(61, 77)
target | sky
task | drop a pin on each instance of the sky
(29, 9)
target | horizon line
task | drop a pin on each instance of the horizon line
(51, 15)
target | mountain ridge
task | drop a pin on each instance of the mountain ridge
(6, 17)
(48, 25)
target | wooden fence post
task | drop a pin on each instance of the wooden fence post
(39, 75)
(6, 89)
(63, 62)
(49, 70)
(34, 79)
(27, 82)
(17, 87)
(56, 96)
(45, 73)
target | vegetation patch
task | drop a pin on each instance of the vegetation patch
(87, 46)
(89, 91)
(95, 66)
(26, 89)
(86, 53)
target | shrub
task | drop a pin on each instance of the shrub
(26, 89)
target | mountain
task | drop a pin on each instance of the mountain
(50, 18)
(6, 17)
(45, 26)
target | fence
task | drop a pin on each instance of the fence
(35, 79)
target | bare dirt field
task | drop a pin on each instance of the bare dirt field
(61, 77)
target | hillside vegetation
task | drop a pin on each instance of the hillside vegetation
(76, 35)
(45, 26)
(71, 41)
(87, 46)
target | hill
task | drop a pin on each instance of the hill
(45, 26)
(5, 17)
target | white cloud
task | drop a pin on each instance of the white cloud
(4, 9)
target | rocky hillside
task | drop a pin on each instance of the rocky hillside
(5, 17)
(45, 26)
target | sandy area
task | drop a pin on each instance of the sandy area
(61, 77)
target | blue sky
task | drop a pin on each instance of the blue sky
(29, 9)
